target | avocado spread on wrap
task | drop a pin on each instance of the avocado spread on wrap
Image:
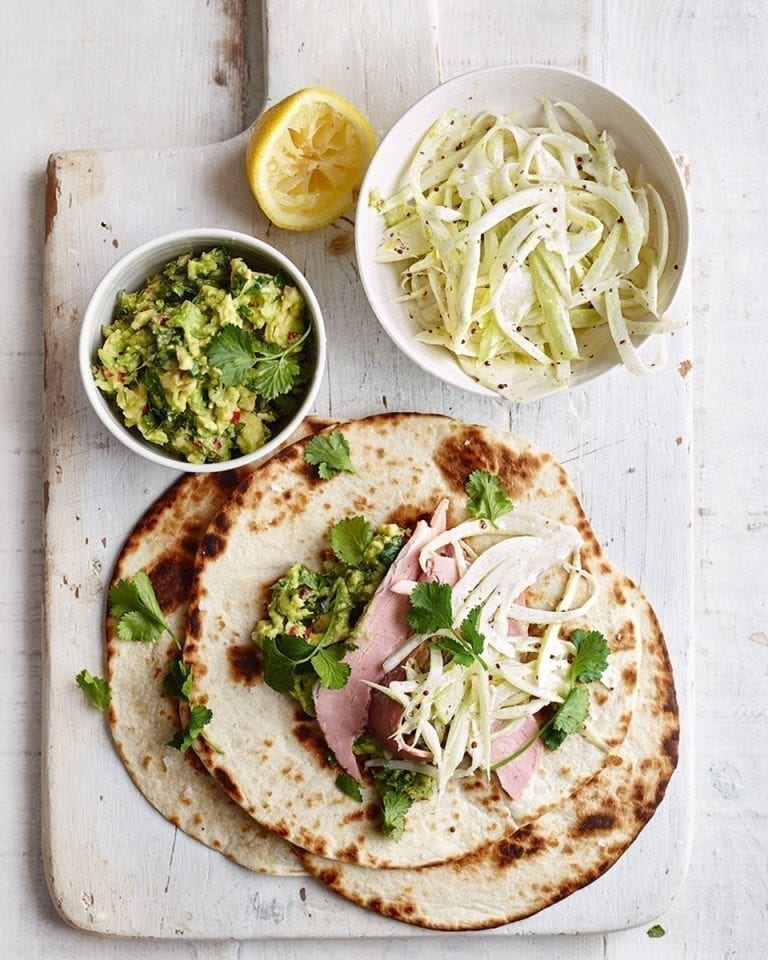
(207, 357)
(311, 614)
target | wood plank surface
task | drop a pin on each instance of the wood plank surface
(693, 67)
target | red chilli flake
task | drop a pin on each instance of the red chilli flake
(235, 418)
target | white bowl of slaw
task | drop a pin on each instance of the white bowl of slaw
(516, 90)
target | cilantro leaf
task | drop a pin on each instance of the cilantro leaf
(567, 719)
(330, 454)
(471, 635)
(276, 370)
(431, 608)
(295, 648)
(394, 806)
(467, 644)
(486, 496)
(459, 651)
(177, 683)
(278, 668)
(349, 538)
(199, 717)
(95, 689)
(333, 673)
(591, 657)
(350, 786)
(656, 931)
(134, 606)
(231, 352)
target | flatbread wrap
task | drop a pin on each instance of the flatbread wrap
(529, 593)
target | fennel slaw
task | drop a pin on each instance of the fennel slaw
(456, 712)
(526, 252)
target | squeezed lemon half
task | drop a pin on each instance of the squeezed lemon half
(306, 157)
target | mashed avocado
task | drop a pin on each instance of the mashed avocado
(315, 611)
(397, 790)
(207, 357)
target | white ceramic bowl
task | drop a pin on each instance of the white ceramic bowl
(517, 90)
(130, 272)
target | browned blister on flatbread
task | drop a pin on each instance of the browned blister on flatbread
(404, 465)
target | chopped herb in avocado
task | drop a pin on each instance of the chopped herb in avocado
(207, 357)
(350, 786)
(311, 614)
(397, 790)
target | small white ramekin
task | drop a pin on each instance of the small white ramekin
(140, 264)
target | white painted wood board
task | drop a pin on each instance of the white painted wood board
(114, 865)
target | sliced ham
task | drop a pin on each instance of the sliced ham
(342, 714)
(384, 718)
(442, 570)
(514, 776)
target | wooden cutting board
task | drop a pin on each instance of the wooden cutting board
(114, 866)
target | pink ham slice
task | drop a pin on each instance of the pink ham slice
(383, 628)
(514, 776)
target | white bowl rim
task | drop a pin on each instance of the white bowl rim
(95, 311)
(401, 340)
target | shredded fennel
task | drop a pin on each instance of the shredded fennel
(457, 712)
(526, 251)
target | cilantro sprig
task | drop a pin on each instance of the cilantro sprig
(177, 683)
(487, 498)
(589, 664)
(330, 454)
(238, 355)
(96, 690)
(431, 614)
(134, 607)
(285, 653)
(394, 807)
(199, 718)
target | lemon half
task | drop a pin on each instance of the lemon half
(306, 157)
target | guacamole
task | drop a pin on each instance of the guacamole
(207, 357)
(396, 789)
(312, 614)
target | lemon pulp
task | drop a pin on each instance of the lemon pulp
(306, 158)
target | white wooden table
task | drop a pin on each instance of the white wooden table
(153, 74)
